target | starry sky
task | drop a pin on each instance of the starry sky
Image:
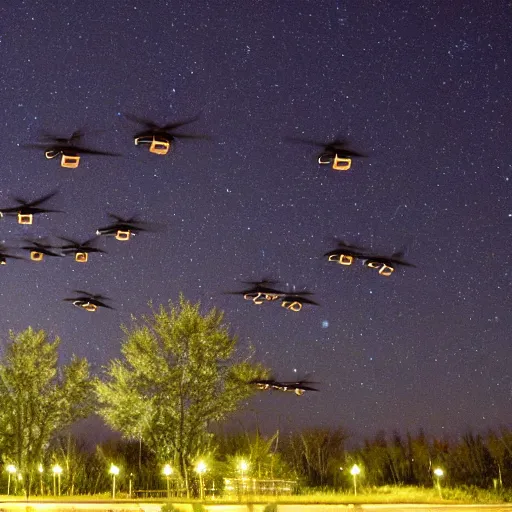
(422, 88)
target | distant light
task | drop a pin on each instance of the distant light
(201, 467)
(438, 472)
(167, 471)
(325, 324)
(355, 470)
(11, 468)
(57, 469)
(114, 470)
(243, 465)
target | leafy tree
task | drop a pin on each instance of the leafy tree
(177, 375)
(36, 399)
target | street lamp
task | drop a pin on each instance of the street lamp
(167, 471)
(354, 471)
(243, 467)
(57, 471)
(200, 469)
(114, 471)
(11, 469)
(439, 474)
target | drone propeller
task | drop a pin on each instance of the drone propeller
(36, 202)
(90, 295)
(339, 146)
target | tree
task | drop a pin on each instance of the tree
(177, 375)
(36, 399)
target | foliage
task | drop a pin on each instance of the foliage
(178, 374)
(36, 399)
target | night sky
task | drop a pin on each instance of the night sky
(422, 88)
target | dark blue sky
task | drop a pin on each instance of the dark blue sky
(424, 90)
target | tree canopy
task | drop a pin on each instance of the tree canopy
(179, 372)
(36, 399)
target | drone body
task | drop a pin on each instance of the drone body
(335, 153)
(67, 149)
(25, 210)
(122, 229)
(299, 387)
(160, 138)
(260, 292)
(386, 265)
(80, 250)
(344, 254)
(296, 301)
(88, 302)
(38, 250)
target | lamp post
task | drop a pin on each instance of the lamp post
(114, 471)
(11, 469)
(354, 471)
(439, 474)
(167, 471)
(200, 469)
(40, 469)
(243, 468)
(57, 471)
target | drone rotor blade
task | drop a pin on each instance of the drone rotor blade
(85, 151)
(139, 120)
(179, 124)
(42, 199)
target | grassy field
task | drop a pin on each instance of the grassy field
(388, 494)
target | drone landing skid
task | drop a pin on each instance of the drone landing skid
(342, 259)
(157, 145)
(122, 235)
(292, 305)
(69, 161)
(36, 256)
(384, 270)
(25, 218)
(338, 163)
(81, 257)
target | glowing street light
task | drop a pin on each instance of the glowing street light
(439, 473)
(354, 471)
(114, 471)
(57, 471)
(167, 471)
(11, 469)
(243, 467)
(200, 469)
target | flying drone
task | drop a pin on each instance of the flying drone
(345, 254)
(5, 255)
(25, 211)
(88, 301)
(386, 264)
(296, 301)
(260, 292)
(335, 153)
(298, 387)
(123, 228)
(80, 250)
(38, 250)
(68, 149)
(160, 138)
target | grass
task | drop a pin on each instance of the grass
(386, 494)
